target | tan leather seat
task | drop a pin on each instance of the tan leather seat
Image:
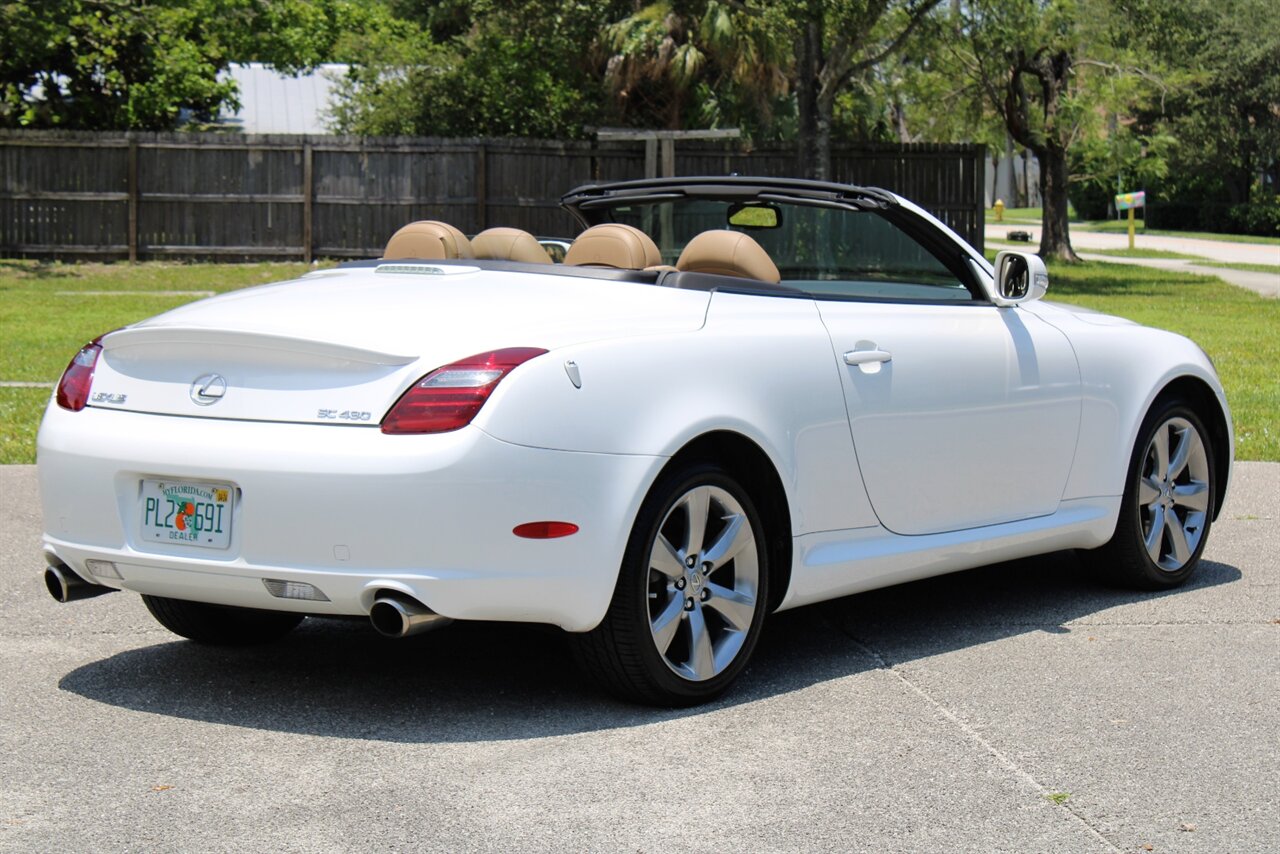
(728, 253)
(429, 240)
(509, 244)
(613, 244)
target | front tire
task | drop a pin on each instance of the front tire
(691, 595)
(1169, 501)
(220, 625)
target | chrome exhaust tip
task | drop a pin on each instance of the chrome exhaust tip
(65, 586)
(400, 616)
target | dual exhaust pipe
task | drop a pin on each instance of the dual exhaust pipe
(395, 615)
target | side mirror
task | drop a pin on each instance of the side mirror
(1020, 277)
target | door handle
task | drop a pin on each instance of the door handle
(864, 357)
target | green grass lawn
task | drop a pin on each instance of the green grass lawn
(1253, 268)
(1139, 252)
(50, 310)
(1122, 226)
(1237, 328)
(1019, 216)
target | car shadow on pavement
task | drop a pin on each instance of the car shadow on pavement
(494, 681)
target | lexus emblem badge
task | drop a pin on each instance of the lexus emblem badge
(208, 389)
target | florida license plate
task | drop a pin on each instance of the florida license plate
(186, 513)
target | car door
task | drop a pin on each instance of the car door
(962, 413)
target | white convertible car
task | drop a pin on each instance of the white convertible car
(734, 396)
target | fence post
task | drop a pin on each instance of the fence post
(668, 157)
(308, 194)
(133, 199)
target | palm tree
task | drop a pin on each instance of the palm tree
(669, 57)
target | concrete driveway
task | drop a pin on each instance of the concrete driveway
(1018, 707)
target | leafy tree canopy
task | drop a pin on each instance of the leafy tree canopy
(1219, 110)
(138, 64)
(479, 67)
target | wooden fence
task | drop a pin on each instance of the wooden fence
(138, 195)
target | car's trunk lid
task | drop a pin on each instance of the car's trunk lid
(340, 347)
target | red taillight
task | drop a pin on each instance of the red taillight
(73, 388)
(544, 530)
(449, 397)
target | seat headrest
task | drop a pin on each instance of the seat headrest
(613, 244)
(509, 244)
(728, 253)
(429, 240)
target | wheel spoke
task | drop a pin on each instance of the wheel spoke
(727, 651)
(1193, 496)
(697, 505)
(1182, 453)
(1178, 540)
(1155, 537)
(666, 624)
(736, 606)
(702, 658)
(1160, 445)
(665, 559)
(734, 538)
(1148, 491)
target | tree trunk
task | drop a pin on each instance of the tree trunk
(1055, 236)
(899, 114)
(808, 65)
(1047, 143)
(822, 144)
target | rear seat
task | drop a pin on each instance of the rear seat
(509, 244)
(428, 240)
(613, 244)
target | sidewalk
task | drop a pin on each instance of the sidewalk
(1266, 284)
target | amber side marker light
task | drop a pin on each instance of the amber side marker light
(544, 530)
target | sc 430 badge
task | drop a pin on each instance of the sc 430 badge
(343, 415)
(109, 397)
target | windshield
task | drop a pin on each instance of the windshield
(825, 251)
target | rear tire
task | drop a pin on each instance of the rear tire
(221, 625)
(691, 596)
(1169, 500)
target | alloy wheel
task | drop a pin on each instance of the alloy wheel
(704, 581)
(1174, 494)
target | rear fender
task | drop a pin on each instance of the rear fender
(762, 368)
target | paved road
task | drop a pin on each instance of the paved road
(948, 715)
(1266, 284)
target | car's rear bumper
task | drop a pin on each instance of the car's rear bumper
(348, 510)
